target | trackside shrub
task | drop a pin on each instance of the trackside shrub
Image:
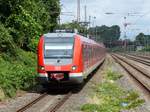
(18, 74)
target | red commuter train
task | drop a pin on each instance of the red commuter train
(67, 57)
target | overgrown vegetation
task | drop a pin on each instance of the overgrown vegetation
(17, 73)
(21, 24)
(25, 20)
(113, 75)
(111, 97)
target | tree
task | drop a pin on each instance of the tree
(74, 25)
(27, 19)
(106, 34)
(140, 38)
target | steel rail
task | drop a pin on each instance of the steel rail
(138, 68)
(119, 61)
(146, 57)
(138, 59)
(60, 103)
(22, 109)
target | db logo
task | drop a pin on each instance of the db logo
(57, 68)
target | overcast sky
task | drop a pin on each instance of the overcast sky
(140, 22)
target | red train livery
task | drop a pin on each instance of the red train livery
(67, 57)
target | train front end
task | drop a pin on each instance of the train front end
(59, 58)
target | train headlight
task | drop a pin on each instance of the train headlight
(74, 67)
(41, 68)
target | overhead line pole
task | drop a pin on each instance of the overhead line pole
(85, 13)
(78, 10)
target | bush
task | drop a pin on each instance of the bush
(6, 41)
(18, 74)
(33, 44)
(146, 48)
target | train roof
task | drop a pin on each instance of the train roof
(72, 35)
(52, 35)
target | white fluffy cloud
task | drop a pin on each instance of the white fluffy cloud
(120, 8)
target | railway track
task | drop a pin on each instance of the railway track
(32, 102)
(51, 108)
(142, 60)
(57, 105)
(140, 75)
(60, 103)
(145, 57)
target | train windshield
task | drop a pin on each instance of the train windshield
(58, 47)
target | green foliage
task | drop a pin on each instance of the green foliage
(6, 41)
(113, 75)
(25, 29)
(18, 74)
(132, 99)
(53, 8)
(112, 98)
(147, 48)
(28, 19)
(33, 45)
(106, 34)
(142, 39)
(74, 25)
(90, 108)
(21, 23)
